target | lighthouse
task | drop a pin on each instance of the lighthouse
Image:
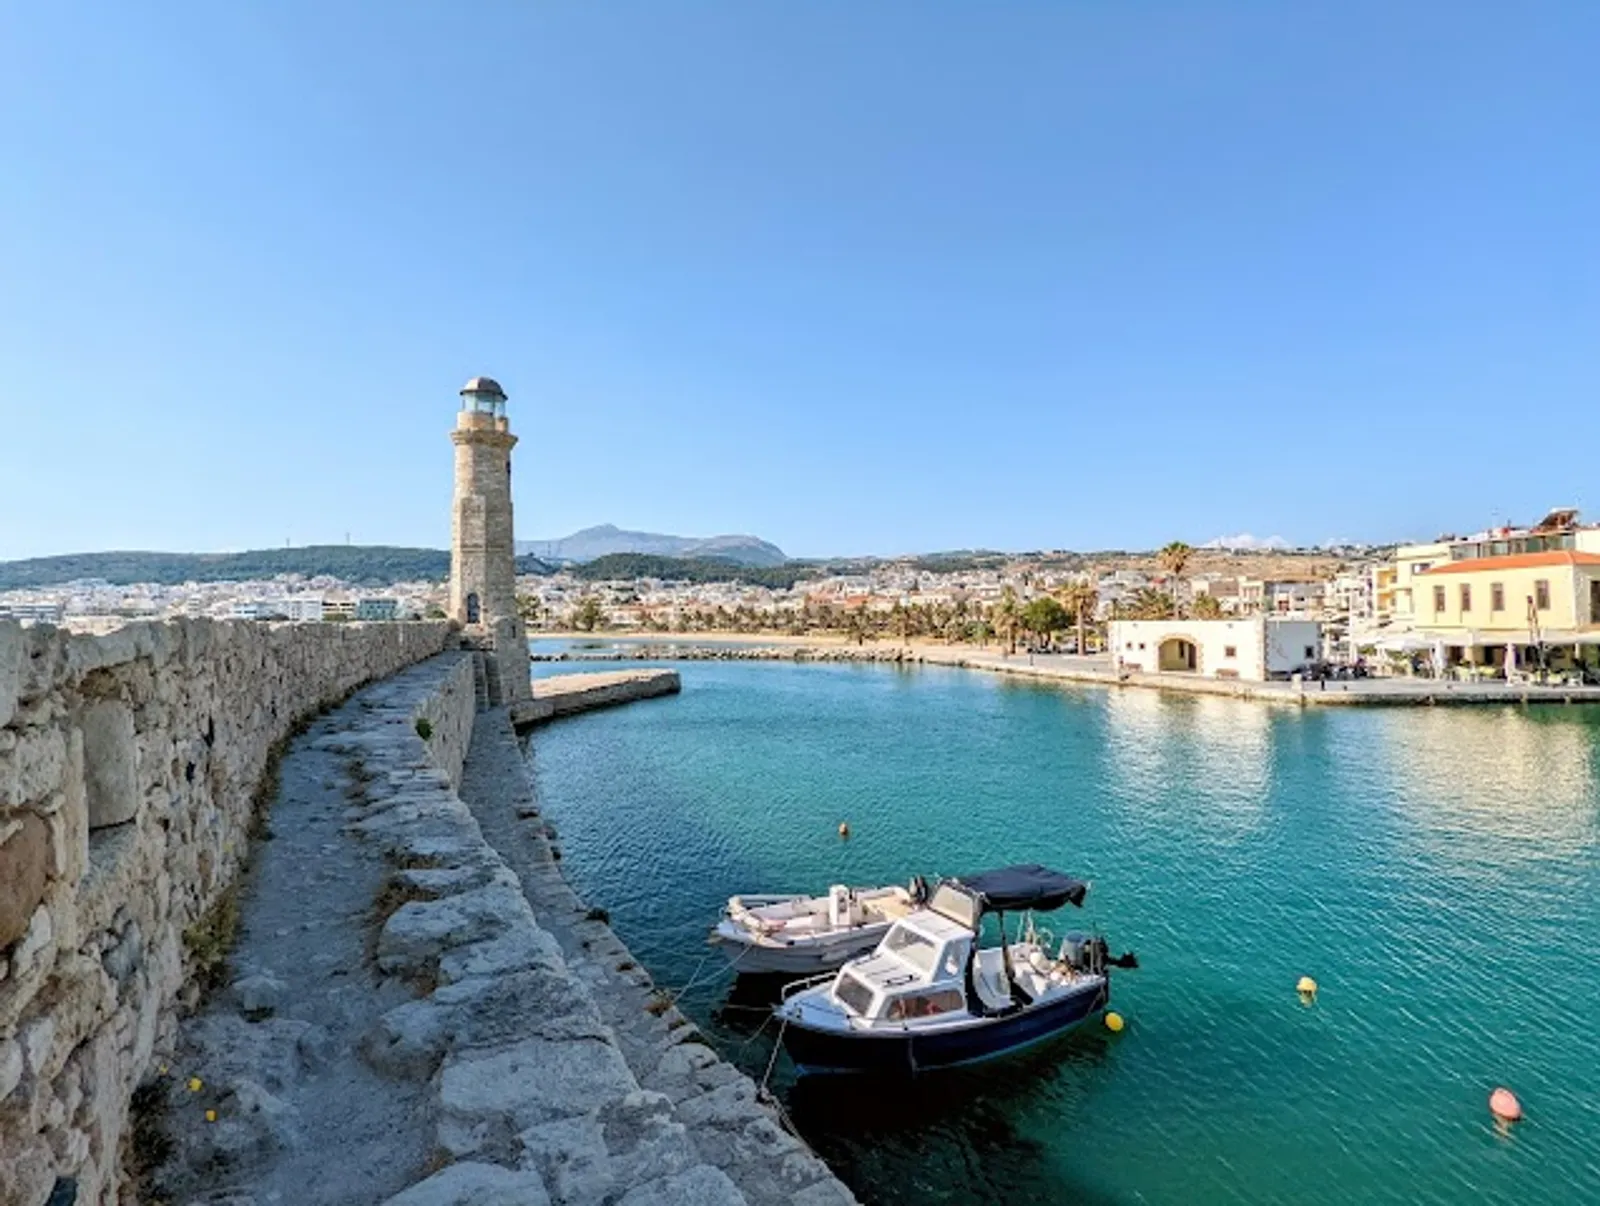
(483, 570)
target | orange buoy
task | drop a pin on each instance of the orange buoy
(1503, 1104)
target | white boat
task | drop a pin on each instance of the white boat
(803, 935)
(930, 998)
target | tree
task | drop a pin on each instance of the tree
(1174, 559)
(587, 614)
(1005, 616)
(1081, 600)
(1043, 617)
(1206, 607)
(1148, 604)
(528, 609)
(855, 625)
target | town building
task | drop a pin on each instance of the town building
(377, 608)
(1251, 648)
(1506, 600)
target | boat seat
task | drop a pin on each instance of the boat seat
(890, 908)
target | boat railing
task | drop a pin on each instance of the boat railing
(795, 986)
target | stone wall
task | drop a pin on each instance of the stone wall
(448, 711)
(129, 765)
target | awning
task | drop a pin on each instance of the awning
(1028, 886)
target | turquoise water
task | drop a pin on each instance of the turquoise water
(1436, 870)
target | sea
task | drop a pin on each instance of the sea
(1435, 870)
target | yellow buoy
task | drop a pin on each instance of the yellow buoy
(211, 1115)
(195, 1085)
(1307, 987)
(844, 828)
(1114, 1021)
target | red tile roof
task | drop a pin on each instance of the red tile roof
(1515, 561)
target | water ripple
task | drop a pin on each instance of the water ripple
(1438, 872)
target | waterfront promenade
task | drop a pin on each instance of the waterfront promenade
(1098, 670)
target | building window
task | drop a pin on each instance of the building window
(1466, 598)
(1541, 594)
(1497, 596)
(1438, 598)
(1233, 650)
(1311, 652)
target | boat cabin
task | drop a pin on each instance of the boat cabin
(915, 972)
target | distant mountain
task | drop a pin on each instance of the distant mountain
(607, 538)
(1244, 542)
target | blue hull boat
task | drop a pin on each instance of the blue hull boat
(929, 998)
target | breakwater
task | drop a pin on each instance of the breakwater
(567, 694)
(421, 1012)
(131, 769)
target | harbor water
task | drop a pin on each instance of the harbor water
(1437, 871)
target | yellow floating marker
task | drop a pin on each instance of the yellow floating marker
(1114, 1022)
(1307, 987)
(194, 1084)
(211, 1115)
(844, 828)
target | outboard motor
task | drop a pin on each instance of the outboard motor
(1084, 954)
(918, 891)
(840, 899)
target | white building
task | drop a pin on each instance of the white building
(304, 608)
(1254, 648)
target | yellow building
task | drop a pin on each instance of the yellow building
(1534, 592)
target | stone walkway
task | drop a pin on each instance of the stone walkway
(277, 1054)
(422, 1014)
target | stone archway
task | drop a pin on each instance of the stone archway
(1178, 655)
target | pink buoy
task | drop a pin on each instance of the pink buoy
(1503, 1104)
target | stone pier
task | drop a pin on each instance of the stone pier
(421, 1013)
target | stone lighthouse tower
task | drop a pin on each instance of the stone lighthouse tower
(483, 575)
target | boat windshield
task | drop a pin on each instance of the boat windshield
(853, 995)
(914, 948)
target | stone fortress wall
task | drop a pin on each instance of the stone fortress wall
(130, 767)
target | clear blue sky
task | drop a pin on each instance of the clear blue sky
(855, 278)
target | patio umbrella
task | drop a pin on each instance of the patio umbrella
(1511, 660)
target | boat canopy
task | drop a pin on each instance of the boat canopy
(1026, 886)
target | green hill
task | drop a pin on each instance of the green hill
(626, 566)
(365, 565)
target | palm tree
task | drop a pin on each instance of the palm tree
(1174, 557)
(1081, 600)
(1148, 604)
(1007, 618)
(1206, 607)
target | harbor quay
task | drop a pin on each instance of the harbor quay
(1096, 670)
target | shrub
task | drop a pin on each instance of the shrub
(424, 728)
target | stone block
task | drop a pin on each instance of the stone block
(699, 1186)
(36, 766)
(11, 654)
(487, 1100)
(24, 867)
(473, 1184)
(110, 762)
(10, 1066)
